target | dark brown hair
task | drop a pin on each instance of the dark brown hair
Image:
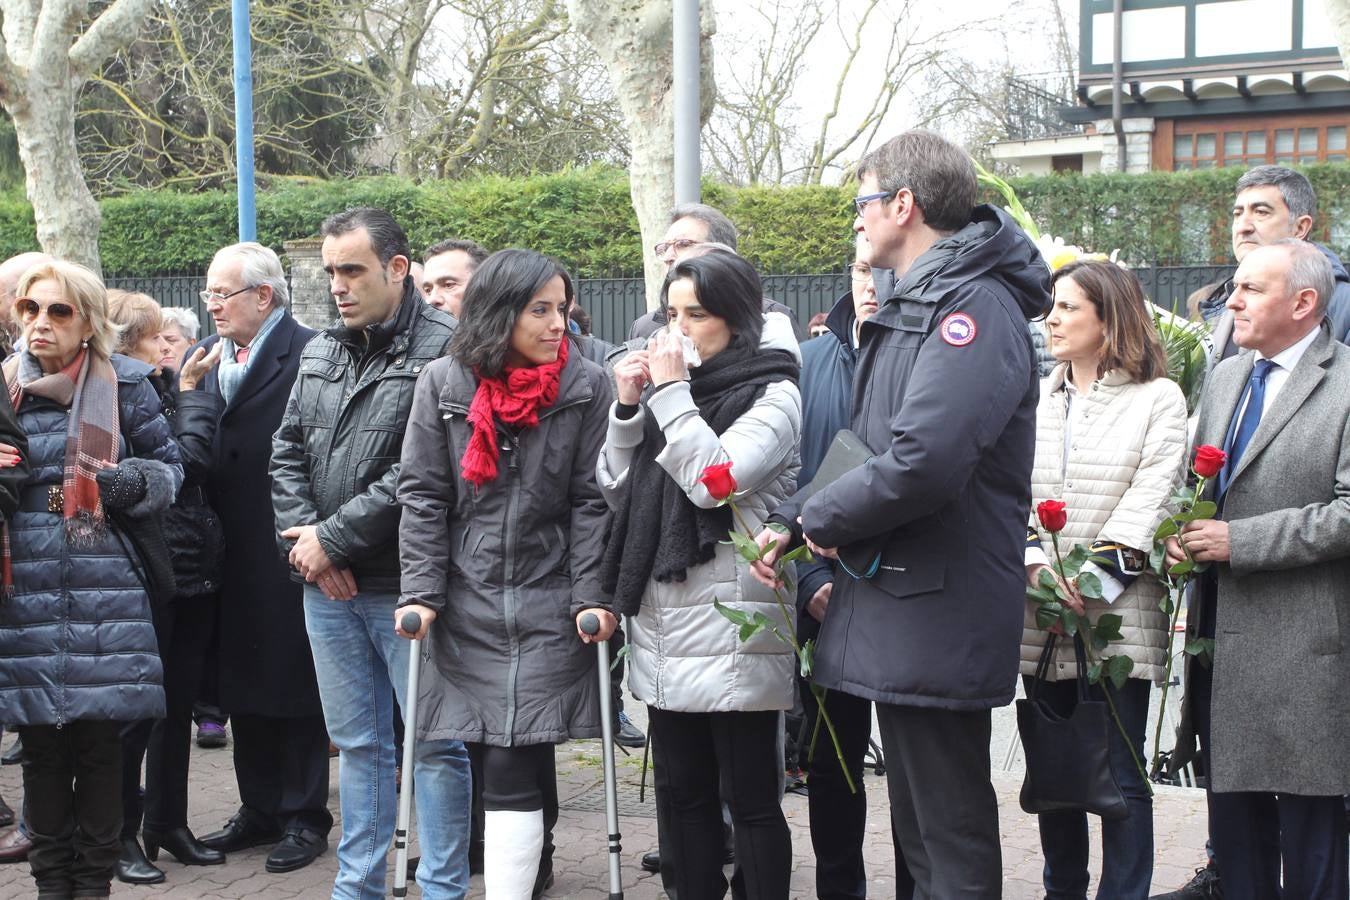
(1131, 344)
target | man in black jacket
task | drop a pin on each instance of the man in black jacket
(933, 525)
(266, 673)
(335, 467)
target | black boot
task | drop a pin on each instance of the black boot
(183, 845)
(133, 867)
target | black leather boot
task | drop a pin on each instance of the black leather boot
(183, 845)
(133, 867)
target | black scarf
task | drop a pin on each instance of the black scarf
(663, 540)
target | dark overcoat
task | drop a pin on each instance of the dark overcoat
(265, 663)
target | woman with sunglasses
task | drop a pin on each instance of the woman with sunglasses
(714, 701)
(184, 625)
(78, 655)
(503, 528)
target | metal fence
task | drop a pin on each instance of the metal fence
(615, 302)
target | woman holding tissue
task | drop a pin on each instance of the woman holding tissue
(502, 533)
(719, 385)
(1110, 438)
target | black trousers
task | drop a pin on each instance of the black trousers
(740, 752)
(281, 765)
(1256, 835)
(943, 808)
(72, 806)
(839, 818)
(184, 629)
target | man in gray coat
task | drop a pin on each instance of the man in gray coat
(1270, 708)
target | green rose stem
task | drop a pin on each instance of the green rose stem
(816, 690)
(1185, 577)
(1110, 704)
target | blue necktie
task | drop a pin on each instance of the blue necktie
(1251, 417)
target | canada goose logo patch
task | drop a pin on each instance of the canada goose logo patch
(958, 329)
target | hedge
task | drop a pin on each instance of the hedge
(584, 217)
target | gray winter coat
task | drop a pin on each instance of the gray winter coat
(335, 456)
(508, 565)
(77, 641)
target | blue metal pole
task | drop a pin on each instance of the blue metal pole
(243, 121)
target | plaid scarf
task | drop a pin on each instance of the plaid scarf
(88, 386)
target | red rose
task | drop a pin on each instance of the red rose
(718, 480)
(1208, 461)
(1052, 515)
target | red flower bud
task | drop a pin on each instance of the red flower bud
(1052, 515)
(719, 481)
(1208, 461)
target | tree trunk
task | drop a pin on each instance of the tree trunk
(1338, 13)
(634, 40)
(49, 51)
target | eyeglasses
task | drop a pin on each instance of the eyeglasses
(679, 245)
(860, 271)
(29, 309)
(218, 297)
(860, 202)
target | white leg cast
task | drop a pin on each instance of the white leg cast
(512, 842)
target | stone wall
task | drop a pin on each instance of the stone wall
(311, 303)
(1138, 145)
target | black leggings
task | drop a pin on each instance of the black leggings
(739, 750)
(517, 778)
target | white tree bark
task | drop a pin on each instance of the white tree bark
(1338, 13)
(634, 40)
(49, 49)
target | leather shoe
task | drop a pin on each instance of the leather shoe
(651, 862)
(133, 867)
(6, 815)
(627, 734)
(14, 755)
(14, 846)
(183, 845)
(297, 849)
(240, 833)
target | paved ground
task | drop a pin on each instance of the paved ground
(580, 863)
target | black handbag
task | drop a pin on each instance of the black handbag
(1068, 758)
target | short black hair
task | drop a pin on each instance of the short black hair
(474, 250)
(501, 288)
(387, 237)
(726, 286)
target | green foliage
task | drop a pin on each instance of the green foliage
(584, 217)
(1169, 218)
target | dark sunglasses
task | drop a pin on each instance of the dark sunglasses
(29, 309)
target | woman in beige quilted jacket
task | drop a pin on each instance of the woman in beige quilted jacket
(1110, 440)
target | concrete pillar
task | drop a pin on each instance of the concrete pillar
(1138, 145)
(311, 303)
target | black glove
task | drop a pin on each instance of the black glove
(121, 487)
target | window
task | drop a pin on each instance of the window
(1246, 141)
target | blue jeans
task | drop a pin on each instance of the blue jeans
(1127, 844)
(361, 665)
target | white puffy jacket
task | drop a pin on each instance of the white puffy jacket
(684, 655)
(1124, 461)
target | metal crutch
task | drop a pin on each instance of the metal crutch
(411, 623)
(590, 623)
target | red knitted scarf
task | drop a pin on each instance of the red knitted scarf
(514, 398)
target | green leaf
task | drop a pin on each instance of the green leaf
(1069, 619)
(1099, 643)
(1074, 561)
(1202, 649)
(1094, 673)
(808, 659)
(799, 554)
(762, 620)
(1089, 585)
(1205, 509)
(1048, 581)
(748, 630)
(1185, 567)
(734, 615)
(1047, 615)
(1108, 626)
(1168, 528)
(1157, 558)
(1041, 595)
(747, 548)
(1118, 669)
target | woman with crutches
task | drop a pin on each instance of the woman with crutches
(501, 538)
